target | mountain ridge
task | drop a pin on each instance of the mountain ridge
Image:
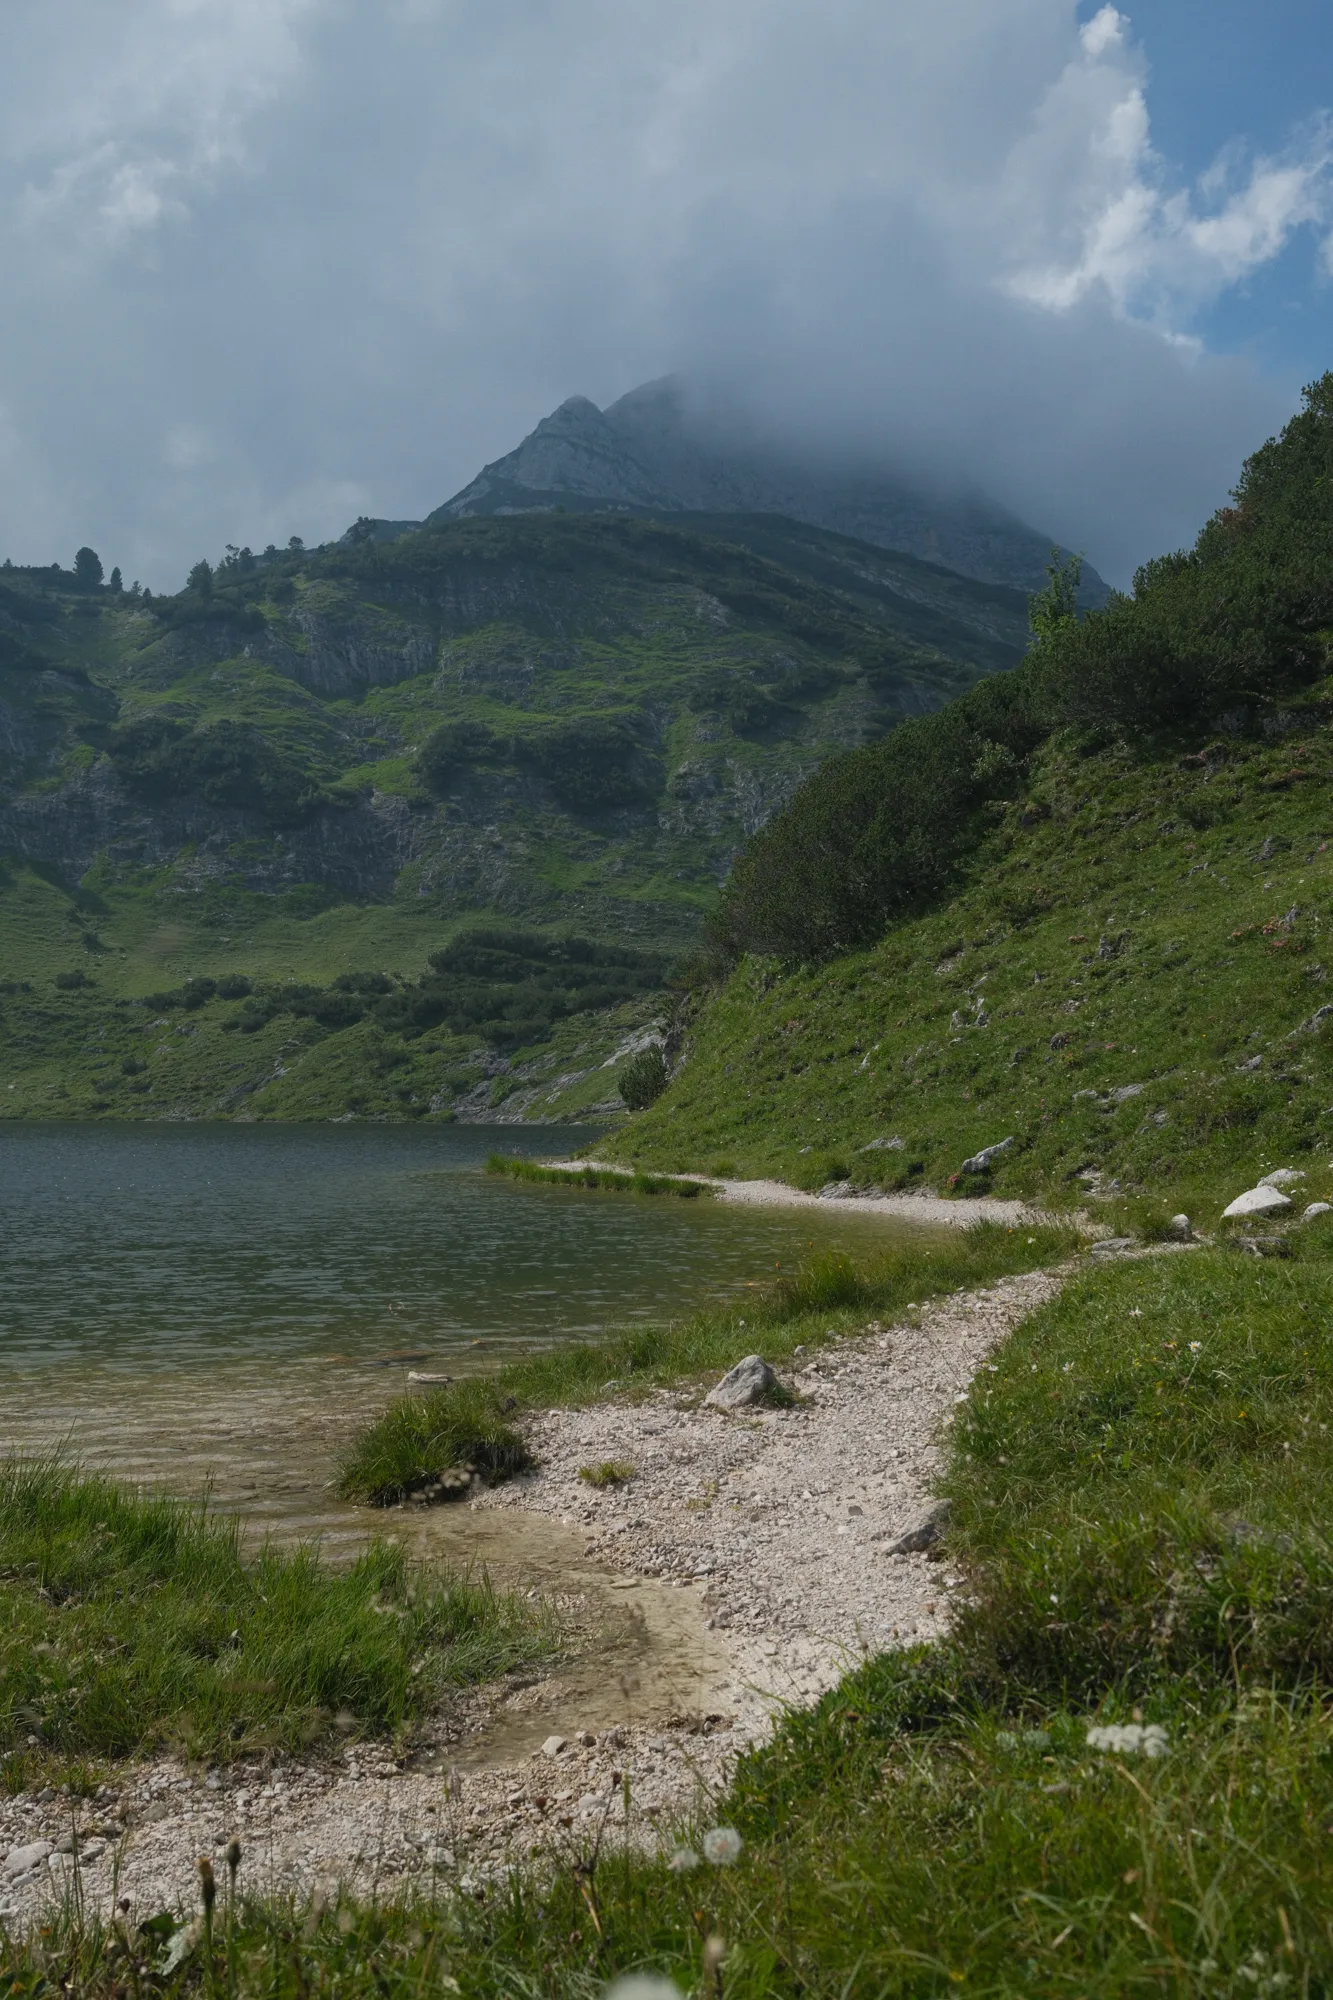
(646, 453)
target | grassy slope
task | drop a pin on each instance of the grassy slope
(1153, 921)
(599, 619)
(1142, 1514)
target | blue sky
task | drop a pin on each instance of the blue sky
(271, 264)
(1253, 73)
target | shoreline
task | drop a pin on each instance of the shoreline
(758, 1543)
(957, 1212)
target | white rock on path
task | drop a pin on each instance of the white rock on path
(750, 1381)
(1258, 1201)
(20, 1860)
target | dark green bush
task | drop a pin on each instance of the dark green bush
(595, 763)
(452, 748)
(875, 832)
(70, 982)
(227, 763)
(643, 1078)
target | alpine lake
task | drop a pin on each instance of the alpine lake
(217, 1309)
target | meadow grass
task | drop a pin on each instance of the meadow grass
(1126, 983)
(473, 1422)
(1140, 1551)
(132, 1622)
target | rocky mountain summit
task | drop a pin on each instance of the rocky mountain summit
(650, 453)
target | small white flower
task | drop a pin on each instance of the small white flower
(722, 1845)
(1129, 1738)
(1196, 1347)
(683, 1860)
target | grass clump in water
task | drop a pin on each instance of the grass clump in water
(608, 1179)
(472, 1422)
(132, 1622)
(462, 1427)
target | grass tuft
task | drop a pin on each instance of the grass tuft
(610, 1472)
(464, 1426)
(132, 1621)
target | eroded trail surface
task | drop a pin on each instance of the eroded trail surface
(744, 1566)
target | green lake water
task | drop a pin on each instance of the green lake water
(224, 1304)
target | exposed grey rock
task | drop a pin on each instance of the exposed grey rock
(1281, 1177)
(1317, 1208)
(655, 451)
(924, 1532)
(1180, 1228)
(1258, 1201)
(553, 1746)
(1112, 1246)
(1126, 1091)
(750, 1381)
(21, 1860)
(1080, 1096)
(883, 1146)
(979, 1162)
(1255, 1062)
(1317, 1019)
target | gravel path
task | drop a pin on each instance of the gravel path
(744, 1566)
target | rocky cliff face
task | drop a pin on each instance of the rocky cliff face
(647, 453)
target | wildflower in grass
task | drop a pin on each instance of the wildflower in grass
(683, 1860)
(1196, 1347)
(1129, 1738)
(722, 1846)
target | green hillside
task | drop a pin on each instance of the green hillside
(310, 770)
(1087, 903)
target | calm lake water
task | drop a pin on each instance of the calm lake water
(225, 1302)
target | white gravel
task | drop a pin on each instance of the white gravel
(746, 1562)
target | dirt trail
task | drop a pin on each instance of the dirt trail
(745, 1566)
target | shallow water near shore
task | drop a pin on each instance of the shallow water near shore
(223, 1305)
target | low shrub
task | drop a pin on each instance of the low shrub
(643, 1078)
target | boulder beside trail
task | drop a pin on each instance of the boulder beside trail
(1258, 1201)
(979, 1162)
(923, 1533)
(751, 1381)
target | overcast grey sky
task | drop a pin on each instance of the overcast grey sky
(270, 264)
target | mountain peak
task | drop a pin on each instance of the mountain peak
(650, 452)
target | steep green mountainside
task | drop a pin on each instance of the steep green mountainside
(319, 766)
(1080, 915)
(1129, 987)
